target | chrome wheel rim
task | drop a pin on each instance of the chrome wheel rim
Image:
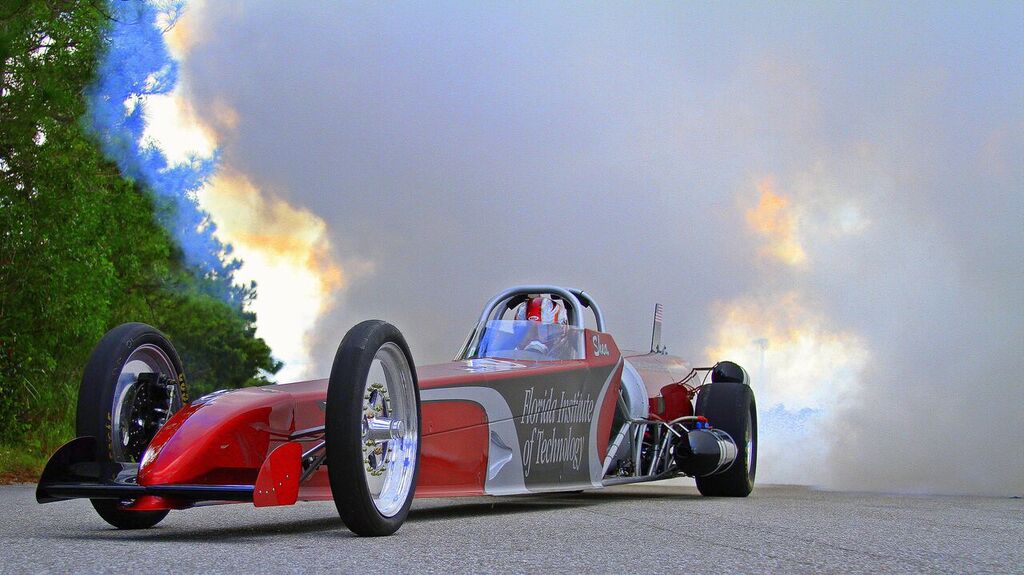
(751, 446)
(128, 418)
(390, 429)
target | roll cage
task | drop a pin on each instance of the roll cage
(574, 300)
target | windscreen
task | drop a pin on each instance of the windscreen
(525, 340)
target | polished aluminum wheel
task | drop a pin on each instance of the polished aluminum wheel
(139, 408)
(389, 429)
(751, 452)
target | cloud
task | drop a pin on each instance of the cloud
(288, 254)
(286, 249)
(808, 362)
(774, 220)
(805, 366)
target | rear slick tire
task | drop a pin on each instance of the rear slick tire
(372, 429)
(731, 407)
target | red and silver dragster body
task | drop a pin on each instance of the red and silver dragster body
(524, 408)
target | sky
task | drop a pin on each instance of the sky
(831, 195)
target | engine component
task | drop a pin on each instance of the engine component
(703, 452)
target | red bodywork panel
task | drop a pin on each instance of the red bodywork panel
(226, 438)
(453, 456)
(278, 480)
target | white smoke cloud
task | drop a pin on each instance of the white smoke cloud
(286, 250)
(464, 148)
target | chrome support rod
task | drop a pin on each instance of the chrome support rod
(665, 445)
(638, 479)
(314, 450)
(658, 439)
(312, 459)
(314, 464)
(641, 430)
(309, 432)
(613, 450)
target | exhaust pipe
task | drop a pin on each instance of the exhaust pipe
(703, 452)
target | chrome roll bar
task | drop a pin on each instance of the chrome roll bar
(497, 302)
(576, 299)
(587, 301)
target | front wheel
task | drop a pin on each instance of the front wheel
(730, 406)
(132, 384)
(372, 428)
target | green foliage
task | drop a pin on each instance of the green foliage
(80, 249)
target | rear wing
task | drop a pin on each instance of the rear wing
(656, 346)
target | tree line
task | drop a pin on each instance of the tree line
(81, 245)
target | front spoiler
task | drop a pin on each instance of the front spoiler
(74, 472)
(114, 490)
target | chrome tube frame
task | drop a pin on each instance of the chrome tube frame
(505, 295)
(587, 301)
(312, 459)
(614, 447)
(659, 465)
(574, 299)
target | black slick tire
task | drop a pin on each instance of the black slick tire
(731, 407)
(95, 407)
(344, 433)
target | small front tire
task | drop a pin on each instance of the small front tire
(122, 410)
(112, 512)
(372, 429)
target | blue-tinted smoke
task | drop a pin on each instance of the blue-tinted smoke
(780, 418)
(136, 64)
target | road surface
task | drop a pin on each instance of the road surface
(654, 528)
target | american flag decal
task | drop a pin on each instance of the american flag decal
(656, 332)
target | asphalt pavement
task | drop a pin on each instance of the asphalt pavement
(654, 528)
